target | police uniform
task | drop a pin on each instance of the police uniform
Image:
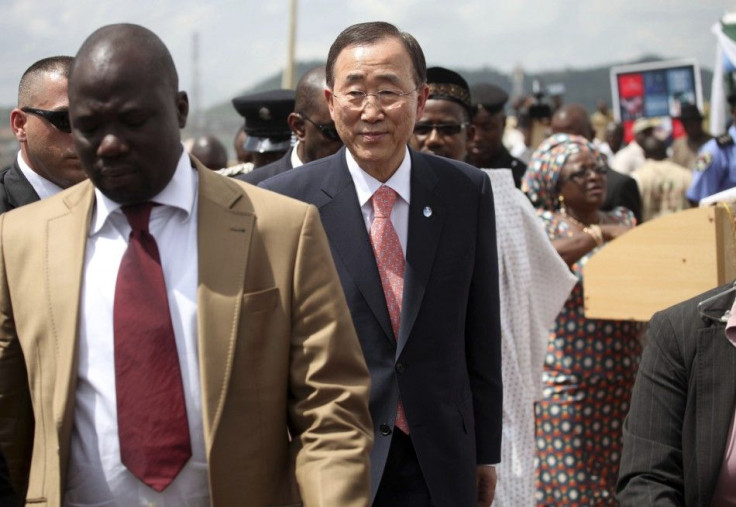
(504, 160)
(715, 167)
(266, 124)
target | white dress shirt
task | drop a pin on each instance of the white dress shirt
(96, 475)
(295, 160)
(366, 185)
(43, 187)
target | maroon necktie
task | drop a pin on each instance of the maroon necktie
(390, 261)
(152, 418)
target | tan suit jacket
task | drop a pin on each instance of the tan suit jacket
(277, 349)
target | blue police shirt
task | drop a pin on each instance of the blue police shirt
(715, 168)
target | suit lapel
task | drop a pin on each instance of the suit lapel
(224, 233)
(343, 222)
(65, 250)
(18, 189)
(425, 229)
(715, 367)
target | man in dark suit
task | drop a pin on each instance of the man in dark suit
(310, 123)
(679, 445)
(422, 285)
(46, 162)
(489, 121)
(7, 495)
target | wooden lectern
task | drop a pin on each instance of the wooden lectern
(660, 263)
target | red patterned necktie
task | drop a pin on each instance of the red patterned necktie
(391, 263)
(152, 418)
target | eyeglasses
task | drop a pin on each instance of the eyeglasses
(329, 131)
(59, 119)
(388, 99)
(443, 129)
(582, 173)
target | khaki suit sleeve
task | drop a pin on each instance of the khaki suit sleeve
(329, 381)
(16, 414)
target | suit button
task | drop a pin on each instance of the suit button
(385, 430)
(400, 367)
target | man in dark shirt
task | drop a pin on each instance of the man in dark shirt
(487, 150)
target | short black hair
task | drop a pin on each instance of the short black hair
(369, 33)
(54, 64)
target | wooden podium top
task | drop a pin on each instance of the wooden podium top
(660, 263)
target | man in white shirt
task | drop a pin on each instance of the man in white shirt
(267, 402)
(46, 162)
(414, 240)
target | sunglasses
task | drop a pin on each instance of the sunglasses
(443, 129)
(59, 119)
(581, 174)
(329, 131)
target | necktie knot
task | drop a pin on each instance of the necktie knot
(138, 215)
(383, 201)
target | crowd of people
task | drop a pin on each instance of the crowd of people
(381, 303)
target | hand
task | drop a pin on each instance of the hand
(613, 231)
(485, 479)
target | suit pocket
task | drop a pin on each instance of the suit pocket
(261, 301)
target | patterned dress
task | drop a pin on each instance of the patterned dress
(589, 374)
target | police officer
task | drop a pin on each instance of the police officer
(269, 135)
(487, 150)
(715, 167)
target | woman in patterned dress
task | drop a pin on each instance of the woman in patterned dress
(591, 364)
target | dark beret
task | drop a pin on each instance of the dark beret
(488, 96)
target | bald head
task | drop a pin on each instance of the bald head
(210, 151)
(310, 91)
(128, 44)
(126, 112)
(572, 119)
(654, 148)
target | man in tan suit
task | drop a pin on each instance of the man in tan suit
(274, 385)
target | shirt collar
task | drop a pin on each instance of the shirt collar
(43, 187)
(366, 185)
(179, 193)
(295, 160)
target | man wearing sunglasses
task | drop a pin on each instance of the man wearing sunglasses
(444, 128)
(311, 124)
(46, 162)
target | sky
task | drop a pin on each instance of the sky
(242, 42)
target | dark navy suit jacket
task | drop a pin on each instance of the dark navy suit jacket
(446, 361)
(263, 173)
(677, 430)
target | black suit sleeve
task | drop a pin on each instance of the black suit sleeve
(483, 335)
(651, 470)
(7, 495)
